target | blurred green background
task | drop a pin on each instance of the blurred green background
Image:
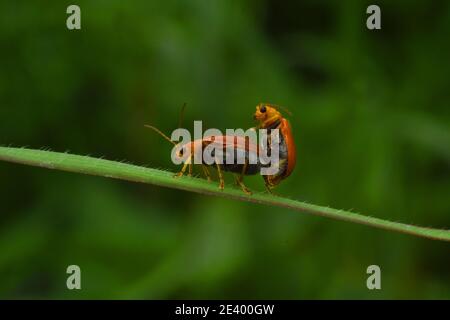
(371, 118)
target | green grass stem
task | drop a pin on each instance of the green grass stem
(124, 171)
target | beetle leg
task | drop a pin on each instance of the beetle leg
(240, 179)
(268, 188)
(242, 185)
(186, 164)
(221, 181)
(206, 172)
(190, 169)
(267, 185)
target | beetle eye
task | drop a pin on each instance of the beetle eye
(262, 109)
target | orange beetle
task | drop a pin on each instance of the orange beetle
(185, 153)
(269, 117)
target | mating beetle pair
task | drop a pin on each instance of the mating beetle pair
(268, 117)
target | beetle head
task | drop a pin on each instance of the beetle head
(265, 111)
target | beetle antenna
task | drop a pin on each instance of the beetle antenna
(180, 120)
(280, 108)
(285, 109)
(160, 133)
